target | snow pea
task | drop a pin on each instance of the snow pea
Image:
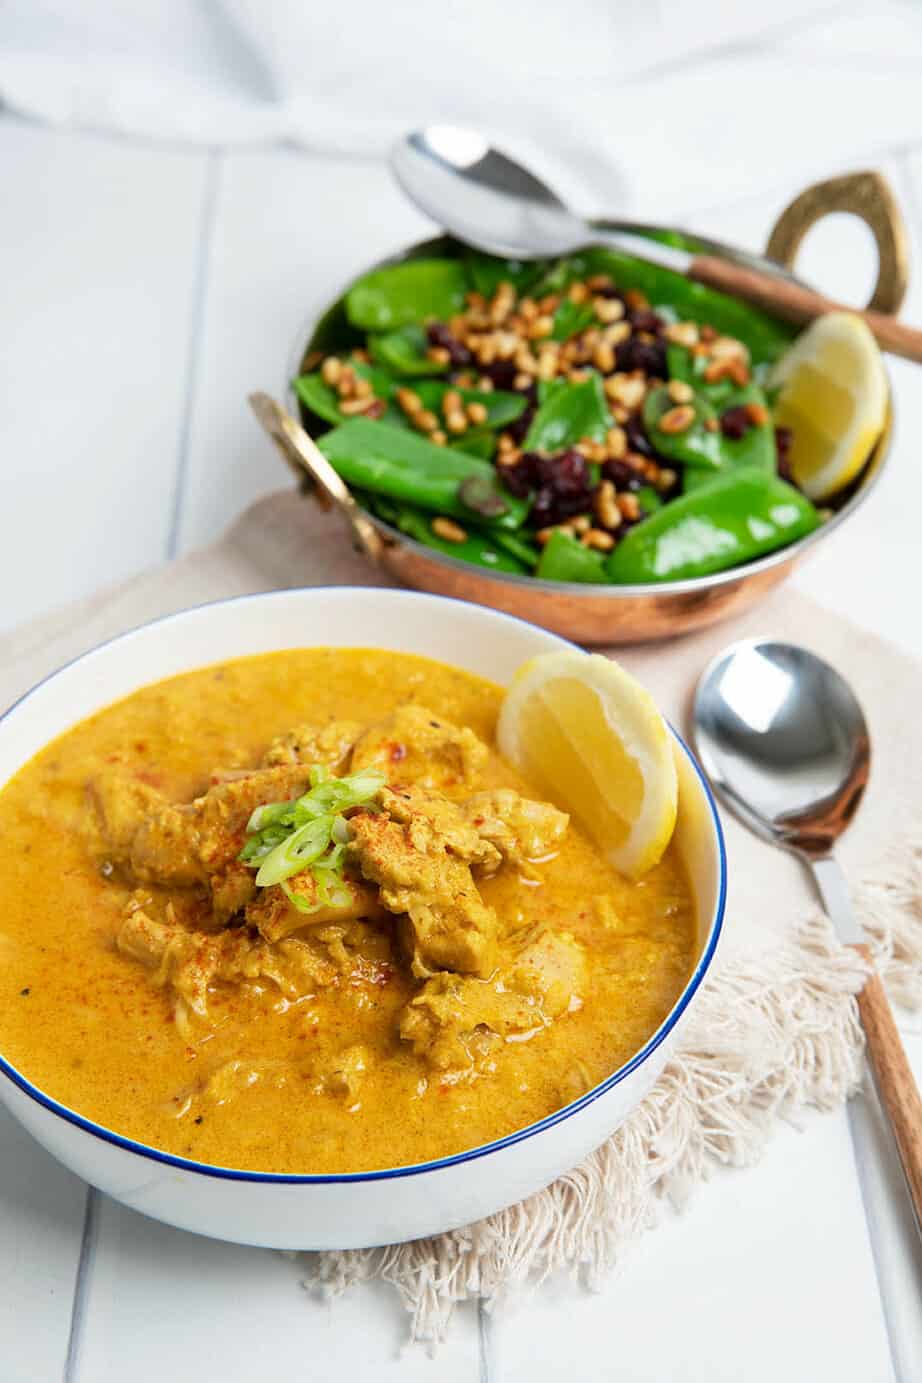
(518, 545)
(571, 318)
(682, 364)
(503, 406)
(479, 548)
(697, 445)
(547, 387)
(756, 447)
(736, 517)
(650, 500)
(317, 395)
(486, 272)
(401, 465)
(568, 414)
(406, 293)
(677, 297)
(478, 441)
(404, 351)
(564, 558)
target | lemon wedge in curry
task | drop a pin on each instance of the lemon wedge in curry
(589, 735)
(833, 396)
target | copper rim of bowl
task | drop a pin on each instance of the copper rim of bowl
(867, 479)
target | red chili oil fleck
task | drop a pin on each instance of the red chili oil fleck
(397, 752)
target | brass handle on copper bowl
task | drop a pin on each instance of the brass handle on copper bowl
(868, 196)
(299, 450)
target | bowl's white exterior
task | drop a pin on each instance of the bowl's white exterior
(364, 1209)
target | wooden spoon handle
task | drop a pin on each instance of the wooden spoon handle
(800, 304)
(894, 1080)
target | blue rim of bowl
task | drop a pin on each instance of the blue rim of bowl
(456, 1159)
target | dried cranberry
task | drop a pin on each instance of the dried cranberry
(502, 373)
(438, 334)
(637, 439)
(783, 439)
(562, 485)
(608, 290)
(518, 430)
(571, 473)
(519, 479)
(543, 509)
(735, 422)
(645, 319)
(649, 356)
(622, 476)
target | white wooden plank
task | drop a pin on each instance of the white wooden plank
(166, 1304)
(98, 248)
(290, 230)
(41, 1218)
(766, 1275)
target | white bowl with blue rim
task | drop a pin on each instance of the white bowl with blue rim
(356, 1209)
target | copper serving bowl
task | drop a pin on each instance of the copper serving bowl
(614, 614)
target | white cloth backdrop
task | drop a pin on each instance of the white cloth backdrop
(578, 86)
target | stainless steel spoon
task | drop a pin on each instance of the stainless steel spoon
(488, 200)
(785, 743)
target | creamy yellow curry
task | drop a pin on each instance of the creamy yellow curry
(415, 955)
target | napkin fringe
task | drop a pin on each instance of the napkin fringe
(772, 1034)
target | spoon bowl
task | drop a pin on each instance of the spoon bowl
(783, 738)
(482, 196)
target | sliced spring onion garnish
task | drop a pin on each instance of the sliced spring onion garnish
(309, 832)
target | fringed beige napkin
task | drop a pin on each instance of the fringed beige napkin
(774, 1030)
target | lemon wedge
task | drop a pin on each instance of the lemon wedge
(833, 397)
(591, 737)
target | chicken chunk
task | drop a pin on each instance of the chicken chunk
(231, 891)
(453, 1017)
(190, 963)
(416, 746)
(311, 744)
(165, 848)
(521, 830)
(180, 846)
(419, 875)
(551, 970)
(220, 815)
(435, 823)
(121, 805)
(344, 1073)
(276, 916)
(449, 1018)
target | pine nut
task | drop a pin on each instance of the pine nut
(597, 539)
(606, 507)
(677, 419)
(679, 391)
(449, 530)
(616, 442)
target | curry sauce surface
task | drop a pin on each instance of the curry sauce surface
(87, 1025)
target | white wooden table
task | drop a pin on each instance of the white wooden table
(145, 292)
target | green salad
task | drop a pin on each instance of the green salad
(592, 419)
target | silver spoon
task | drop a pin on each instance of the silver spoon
(785, 743)
(490, 201)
